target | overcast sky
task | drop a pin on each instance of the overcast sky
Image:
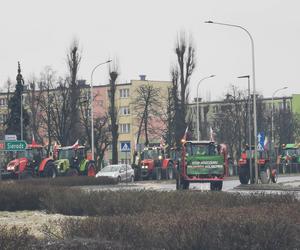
(142, 33)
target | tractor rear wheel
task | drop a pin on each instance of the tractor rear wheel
(72, 172)
(244, 175)
(170, 171)
(216, 185)
(274, 177)
(50, 170)
(265, 175)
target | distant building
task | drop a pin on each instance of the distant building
(209, 110)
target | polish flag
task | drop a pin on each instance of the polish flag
(33, 142)
(185, 133)
(76, 144)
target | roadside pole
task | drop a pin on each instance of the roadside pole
(126, 166)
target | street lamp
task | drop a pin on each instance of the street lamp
(272, 116)
(21, 116)
(254, 91)
(92, 110)
(249, 125)
(197, 115)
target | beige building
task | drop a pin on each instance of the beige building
(128, 122)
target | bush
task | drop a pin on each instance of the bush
(15, 238)
(192, 229)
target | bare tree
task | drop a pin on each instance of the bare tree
(113, 113)
(102, 138)
(60, 110)
(229, 122)
(181, 75)
(34, 99)
(146, 105)
(73, 61)
(101, 129)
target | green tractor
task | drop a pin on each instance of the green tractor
(73, 161)
(290, 158)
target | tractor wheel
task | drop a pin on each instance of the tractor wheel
(185, 184)
(216, 185)
(244, 175)
(158, 173)
(265, 175)
(178, 182)
(91, 169)
(170, 171)
(274, 177)
(72, 172)
(230, 168)
(182, 184)
(284, 166)
(50, 170)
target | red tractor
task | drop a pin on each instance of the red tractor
(31, 162)
(154, 164)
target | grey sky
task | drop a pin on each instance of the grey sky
(141, 34)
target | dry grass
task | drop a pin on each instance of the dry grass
(154, 220)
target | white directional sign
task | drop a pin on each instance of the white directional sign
(125, 146)
(261, 141)
(10, 138)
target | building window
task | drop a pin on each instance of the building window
(124, 128)
(215, 109)
(124, 93)
(124, 111)
(3, 102)
(3, 118)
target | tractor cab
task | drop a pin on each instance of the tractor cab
(74, 154)
(153, 153)
(201, 149)
(34, 154)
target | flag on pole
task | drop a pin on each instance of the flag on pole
(185, 133)
(161, 143)
(266, 143)
(33, 142)
(76, 144)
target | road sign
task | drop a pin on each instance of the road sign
(261, 141)
(125, 146)
(10, 137)
(15, 145)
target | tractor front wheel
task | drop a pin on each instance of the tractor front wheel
(216, 185)
(72, 172)
(50, 170)
(244, 175)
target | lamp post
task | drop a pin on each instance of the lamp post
(21, 116)
(272, 116)
(249, 125)
(198, 132)
(92, 110)
(254, 91)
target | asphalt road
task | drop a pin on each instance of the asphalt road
(230, 184)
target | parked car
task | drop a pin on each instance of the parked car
(119, 172)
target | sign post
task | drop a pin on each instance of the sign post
(125, 147)
(13, 145)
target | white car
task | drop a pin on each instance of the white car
(119, 172)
